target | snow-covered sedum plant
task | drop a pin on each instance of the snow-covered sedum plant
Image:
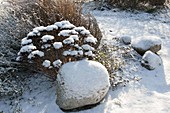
(51, 46)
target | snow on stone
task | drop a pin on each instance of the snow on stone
(57, 45)
(64, 25)
(150, 40)
(27, 48)
(45, 46)
(125, 39)
(51, 27)
(34, 53)
(75, 37)
(150, 60)
(26, 41)
(81, 83)
(89, 53)
(90, 39)
(142, 44)
(46, 38)
(57, 63)
(46, 63)
(87, 47)
(68, 41)
(40, 28)
(67, 33)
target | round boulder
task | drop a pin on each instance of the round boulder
(150, 60)
(143, 44)
(81, 83)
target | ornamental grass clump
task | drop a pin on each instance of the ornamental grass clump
(47, 48)
(33, 13)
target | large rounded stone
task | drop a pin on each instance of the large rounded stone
(143, 44)
(81, 83)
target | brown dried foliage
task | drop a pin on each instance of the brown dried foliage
(34, 13)
(46, 12)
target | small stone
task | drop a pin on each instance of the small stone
(150, 60)
(126, 39)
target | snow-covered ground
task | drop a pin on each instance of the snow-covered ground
(151, 94)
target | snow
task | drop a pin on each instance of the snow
(79, 29)
(57, 63)
(80, 52)
(146, 42)
(87, 47)
(67, 26)
(46, 63)
(27, 48)
(71, 53)
(19, 58)
(90, 78)
(66, 53)
(36, 52)
(51, 27)
(90, 39)
(45, 46)
(77, 46)
(125, 39)
(26, 41)
(89, 53)
(34, 33)
(150, 94)
(75, 37)
(47, 38)
(40, 28)
(57, 45)
(74, 53)
(82, 30)
(67, 33)
(69, 40)
(31, 34)
(64, 25)
(85, 32)
(151, 59)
